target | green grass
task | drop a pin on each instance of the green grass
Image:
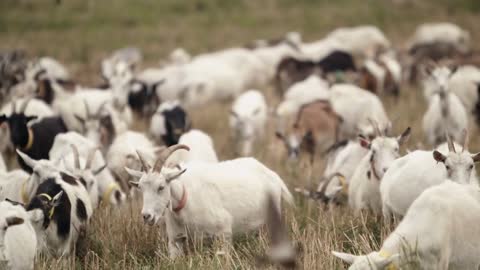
(81, 32)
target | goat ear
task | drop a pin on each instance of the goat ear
(439, 157)
(30, 118)
(404, 136)
(364, 143)
(12, 221)
(28, 160)
(79, 119)
(134, 173)
(476, 157)
(346, 257)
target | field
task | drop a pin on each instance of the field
(80, 32)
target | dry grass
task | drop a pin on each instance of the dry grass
(80, 32)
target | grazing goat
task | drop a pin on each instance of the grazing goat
(109, 190)
(291, 69)
(18, 241)
(417, 171)
(69, 206)
(358, 108)
(382, 75)
(445, 110)
(123, 153)
(248, 119)
(301, 93)
(30, 107)
(201, 149)
(315, 128)
(363, 191)
(169, 122)
(178, 196)
(35, 140)
(435, 232)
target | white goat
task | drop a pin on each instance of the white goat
(108, 189)
(445, 110)
(201, 149)
(435, 232)
(301, 93)
(18, 241)
(226, 184)
(417, 171)
(448, 33)
(248, 119)
(363, 191)
(363, 41)
(358, 108)
(123, 153)
(465, 83)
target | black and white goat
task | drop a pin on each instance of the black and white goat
(34, 140)
(169, 122)
(65, 205)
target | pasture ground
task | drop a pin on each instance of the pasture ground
(80, 32)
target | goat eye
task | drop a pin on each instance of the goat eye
(447, 167)
(160, 188)
(471, 167)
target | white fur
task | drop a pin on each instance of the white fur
(464, 83)
(436, 229)
(201, 148)
(248, 119)
(444, 32)
(18, 243)
(223, 198)
(104, 182)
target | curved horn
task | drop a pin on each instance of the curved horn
(145, 166)
(451, 146)
(25, 105)
(87, 110)
(166, 153)
(76, 156)
(90, 157)
(465, 140)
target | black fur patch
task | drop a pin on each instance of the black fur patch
(83, 182)
(117, 195)
(81, 210)
(369, 174)
(176, 123)
(69, 179)
(61, 215)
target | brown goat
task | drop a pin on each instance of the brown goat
(316, 126)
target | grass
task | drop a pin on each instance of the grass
(81, 32)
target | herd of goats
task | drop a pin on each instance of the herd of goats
(76, 149)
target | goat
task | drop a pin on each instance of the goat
(363, 191)
(69, 206)
(301, 93)
(291, 70)
(358, 108)
(182, 202)
(18, 241)
(382, 75)
(143, 97)
(445, 110)
(16, 186)
(248, 119)
(464, 83)
(33, 107)
(123, 153)
(420, 170)
(35, 140)
(109, 190)
(315, 128)
(201, 149)
(169, 122)
(435, 241)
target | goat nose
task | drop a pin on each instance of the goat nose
(146, 217)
